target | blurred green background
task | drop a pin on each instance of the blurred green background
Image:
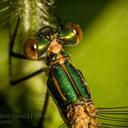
(102, 56)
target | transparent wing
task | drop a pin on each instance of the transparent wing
(114, 117)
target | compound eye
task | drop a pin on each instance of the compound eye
(30, 49)
(78, 31)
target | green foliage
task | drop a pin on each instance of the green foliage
(101, 56)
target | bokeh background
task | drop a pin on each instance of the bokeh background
(102, 56)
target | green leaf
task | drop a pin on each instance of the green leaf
(101, 56)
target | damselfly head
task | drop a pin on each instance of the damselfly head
(51, 39)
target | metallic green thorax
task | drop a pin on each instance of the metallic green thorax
(65, 83)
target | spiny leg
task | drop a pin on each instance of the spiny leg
(19, 56)
(15, 82)
(42, 117)
(11, 44)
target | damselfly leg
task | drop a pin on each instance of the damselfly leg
(17, 81)
(19, 56)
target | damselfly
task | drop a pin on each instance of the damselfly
(66, 84)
